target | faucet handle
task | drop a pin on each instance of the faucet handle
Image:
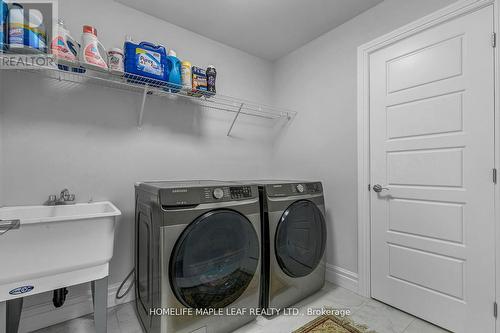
(51, 201)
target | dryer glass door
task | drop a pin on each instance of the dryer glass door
(300, 238)
(214, 260)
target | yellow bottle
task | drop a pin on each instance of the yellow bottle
(186, 75)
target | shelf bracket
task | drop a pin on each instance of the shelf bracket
(141, 111)
(234, 120)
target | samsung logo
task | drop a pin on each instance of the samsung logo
(180, 190)
(21, 290)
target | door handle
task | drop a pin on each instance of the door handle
(379, 188)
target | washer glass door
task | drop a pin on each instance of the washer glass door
(300, 238)
(214, 260)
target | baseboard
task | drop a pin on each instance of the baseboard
(342, 277)
(44, 315)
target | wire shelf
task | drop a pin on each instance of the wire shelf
(74, 74)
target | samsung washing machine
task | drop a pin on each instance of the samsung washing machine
(294, 241)
(197, 248)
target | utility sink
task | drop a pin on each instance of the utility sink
(55, 246)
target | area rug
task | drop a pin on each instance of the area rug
(332, 324)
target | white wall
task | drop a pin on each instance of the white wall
(85, 137)
(319, 80)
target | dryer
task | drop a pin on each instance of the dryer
(294, 240)
(197, 247)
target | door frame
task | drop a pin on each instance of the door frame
(459, 8)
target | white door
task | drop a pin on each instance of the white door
(432, 147)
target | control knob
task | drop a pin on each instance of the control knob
(218, 193)
(300, 188)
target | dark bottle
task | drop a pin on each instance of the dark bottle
(211, 75)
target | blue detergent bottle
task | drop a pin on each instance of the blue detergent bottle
(174, 72)
(145, 61)
(4, 10)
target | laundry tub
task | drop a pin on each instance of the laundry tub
(52, 247)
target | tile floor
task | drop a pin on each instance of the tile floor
(377, 316)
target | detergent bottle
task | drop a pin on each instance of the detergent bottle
(186, 76)
(4, 10)
(145, 62)
(64, 48)
(211, 76)
(26, 38)
(174, 71)
(92, 54)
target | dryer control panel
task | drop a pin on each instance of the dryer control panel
(293, 189)
(191, 196)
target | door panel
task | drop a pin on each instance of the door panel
(214, 260)
(429, 167)
(432, 219)
(435, 115)
(401, 73)
(300, 239)
(432, 147)
(443, 274)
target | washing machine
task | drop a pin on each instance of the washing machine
(197, 256)
(294, 239)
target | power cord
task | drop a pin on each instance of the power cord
(118, 296)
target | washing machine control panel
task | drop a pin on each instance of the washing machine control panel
(215, 194)
(218, 193)
(227, 193)
(240, 192)
(189, 196)
(291, 189)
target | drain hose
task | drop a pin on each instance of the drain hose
(59, 297)
(118, 296)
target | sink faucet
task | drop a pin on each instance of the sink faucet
(64, 198)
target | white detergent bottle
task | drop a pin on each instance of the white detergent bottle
(92, 53)
(64, 48)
